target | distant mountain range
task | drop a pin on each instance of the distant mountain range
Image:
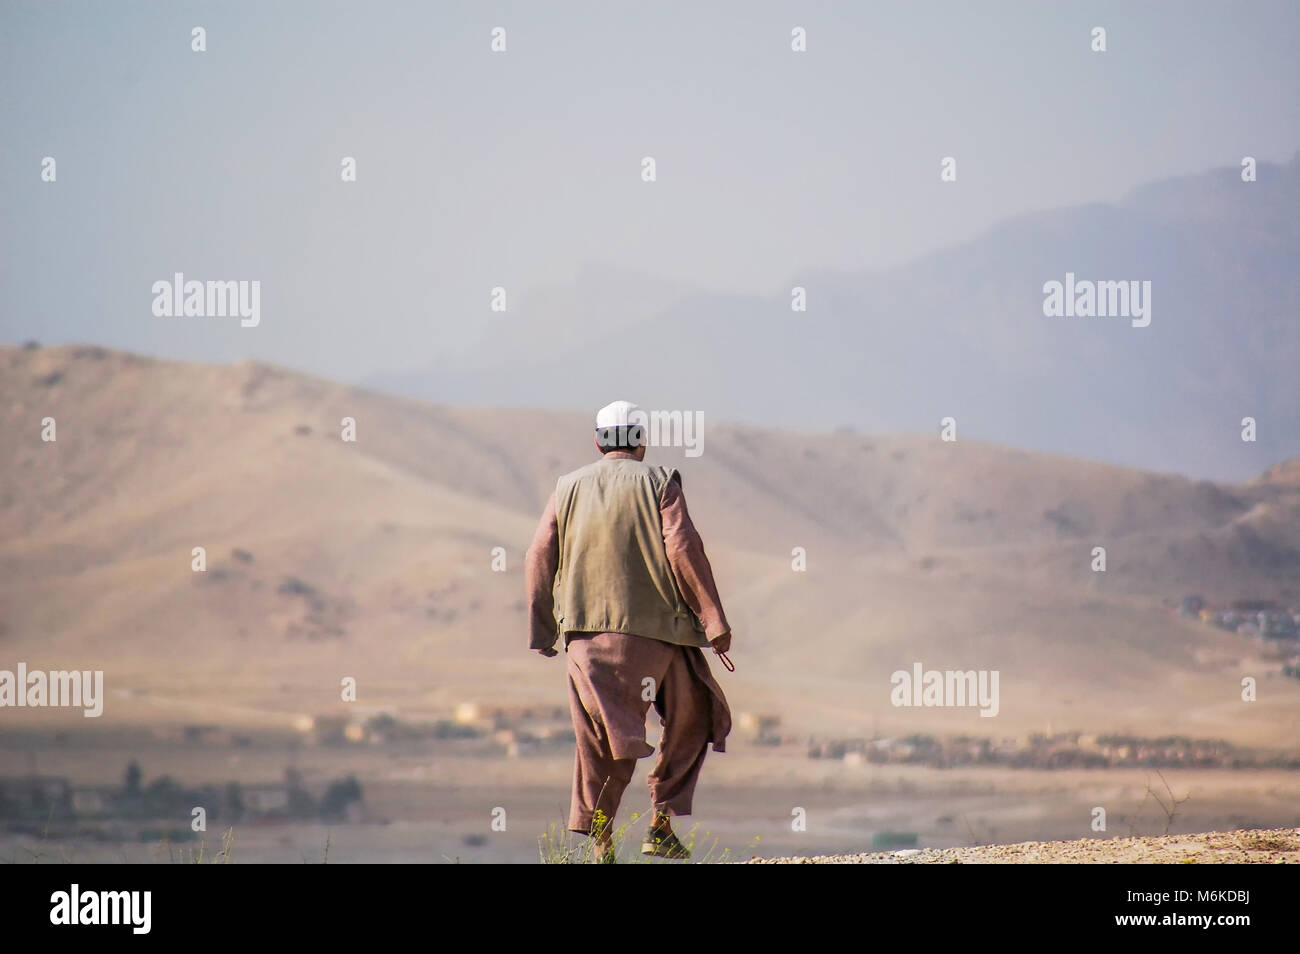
(961, 333)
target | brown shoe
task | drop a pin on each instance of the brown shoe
(660, 842)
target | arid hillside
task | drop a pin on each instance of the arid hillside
(373, 559)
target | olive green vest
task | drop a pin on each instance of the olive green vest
(614, 575)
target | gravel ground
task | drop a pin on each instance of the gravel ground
(1256, 846)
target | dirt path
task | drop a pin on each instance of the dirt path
(1259, 846)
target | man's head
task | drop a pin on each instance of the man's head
(620, 426)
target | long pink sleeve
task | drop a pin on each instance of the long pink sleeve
(540, 564)
(689, 563)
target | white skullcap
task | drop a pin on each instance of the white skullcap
(618, 414)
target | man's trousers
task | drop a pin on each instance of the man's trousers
(613, 680)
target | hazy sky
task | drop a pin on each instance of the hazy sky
(478, 169)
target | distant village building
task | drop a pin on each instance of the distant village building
(496, 718)
(761, 727)
(328, 729)
(467, 713)
(267, 801)
(355, 732)
(93, 802)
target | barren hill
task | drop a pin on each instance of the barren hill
(373, 558)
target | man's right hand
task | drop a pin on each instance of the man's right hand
(721, 644)
(549, 651)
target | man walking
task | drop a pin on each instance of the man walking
(618, 569)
